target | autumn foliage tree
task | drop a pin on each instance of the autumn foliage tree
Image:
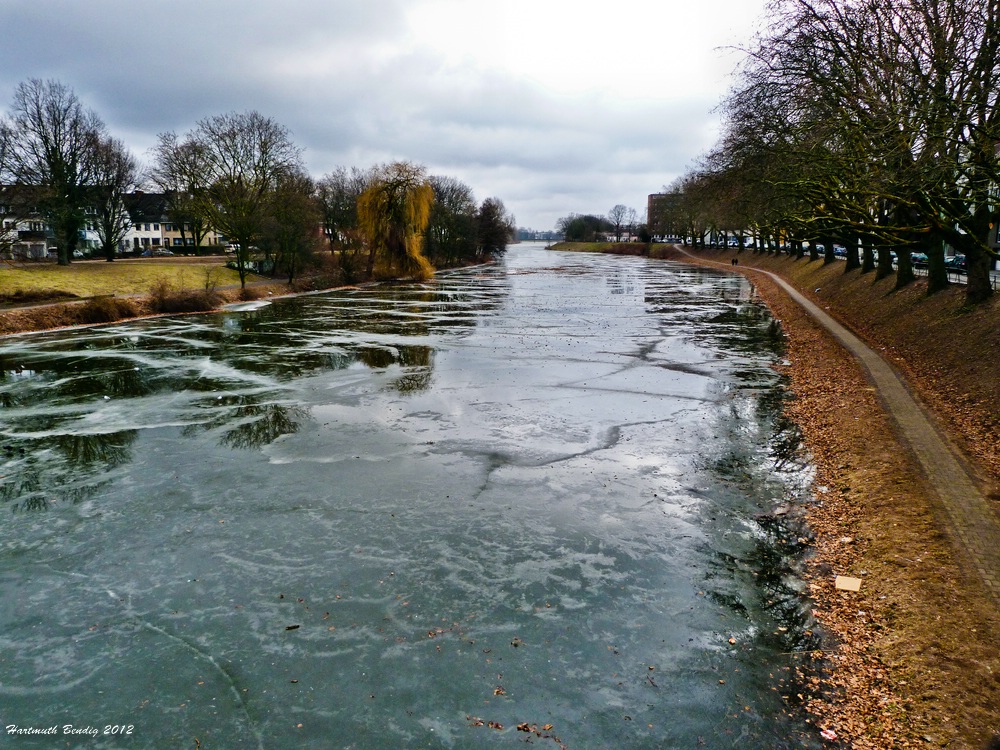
(393, 214)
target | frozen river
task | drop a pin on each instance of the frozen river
(532, 494)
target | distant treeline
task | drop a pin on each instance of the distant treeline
(240, 175)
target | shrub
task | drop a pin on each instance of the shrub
(106, 310)
(249, 294)
(349, 266)
(212, 279)
(324, 271)
(163, 298)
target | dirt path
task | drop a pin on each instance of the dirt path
(971, 522)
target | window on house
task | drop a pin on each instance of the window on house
(156, 240)
(145, 227)
(145, 241)
(156, 227)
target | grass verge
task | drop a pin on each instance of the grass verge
(33, 283)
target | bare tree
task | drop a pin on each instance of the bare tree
(618, 216)
(291, 229)
(452, 231)
(338, 193)
(116, 174)
(496, 227)
(181, 172)
(8, 235)
(247, 155)
(53, 143)
(631, 219)
(582, 227)
(880, 126)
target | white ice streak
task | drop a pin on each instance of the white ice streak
(175, 409)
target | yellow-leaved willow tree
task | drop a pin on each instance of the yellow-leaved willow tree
(393, 214)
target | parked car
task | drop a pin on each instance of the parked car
(956, 263)
(839, 251)
(162, 252)
(919, 260)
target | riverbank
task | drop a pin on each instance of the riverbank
(911, 657)
(53, 316)
(199, 290)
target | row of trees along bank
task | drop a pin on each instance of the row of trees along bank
(241, 175)
(866, 123)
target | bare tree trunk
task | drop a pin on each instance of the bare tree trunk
(883, 267)
(853, 260)
(867, 255)
(978, 285)
(904, 267)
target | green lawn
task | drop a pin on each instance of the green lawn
(123, 277)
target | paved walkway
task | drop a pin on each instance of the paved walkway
(971, 521)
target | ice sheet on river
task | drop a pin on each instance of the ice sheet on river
(527, 493)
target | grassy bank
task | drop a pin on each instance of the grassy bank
(37, 282)
(45, 296)
(582, 247)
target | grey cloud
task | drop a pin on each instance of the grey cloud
(339, 76)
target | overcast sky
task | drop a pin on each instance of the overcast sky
(554, 106)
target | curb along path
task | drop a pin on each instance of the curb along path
(971, 521)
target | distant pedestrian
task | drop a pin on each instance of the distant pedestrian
(736, 261)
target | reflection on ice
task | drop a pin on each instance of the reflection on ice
(385, 517)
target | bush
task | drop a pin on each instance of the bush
(163, 298)
(106, 310)
(349, 265)
(249, 294)
(324, 271)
